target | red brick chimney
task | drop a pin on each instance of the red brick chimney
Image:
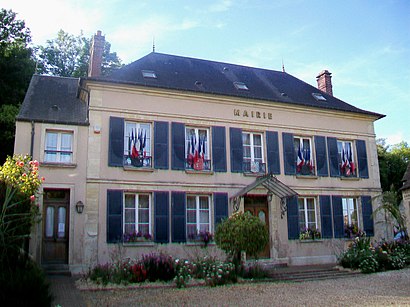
(96, 53)
(324, 82)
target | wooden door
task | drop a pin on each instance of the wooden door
(55, 226)
(258, 206)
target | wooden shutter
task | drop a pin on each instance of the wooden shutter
(333, 157)
(272, 147)
(235, 135)
(338, 222)
(116, 142)
(293, 218)
(178, 146)
(161, 145)
(326, 216)
(362, 159)
(367, 211)
(321, 156)
(161, 217)
(219, 149)
(178, 217)
(220, 207)
(114, 216)
(289, 159)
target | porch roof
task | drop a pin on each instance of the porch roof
(271, 183)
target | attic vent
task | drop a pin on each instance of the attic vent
(318, 97)
(55, 107)
(198, 83)
(241, 86)
(225, 68)
(149, 74)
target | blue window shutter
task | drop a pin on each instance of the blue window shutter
(178, 217)
(326, 216)
(114, 216)
(362, 159)
(367, 211)
(235, 135)
(219, 149)
(116, 142)
(333, 157)
(289, 158)
(293, 218)
(220, 207)
(338, 222)
(321, 156)
(178, 146)
(161, 216)
(272, 147)
(161, 145)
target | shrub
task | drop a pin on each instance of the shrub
(159, 266)
(220, 273)
(101, 273)
(255, 271)
(184, 270)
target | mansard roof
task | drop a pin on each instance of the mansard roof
(202, 76)
(52, 99)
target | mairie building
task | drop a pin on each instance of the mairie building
(152, 157)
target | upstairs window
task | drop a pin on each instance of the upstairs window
(198, 215)
(197, 149)
(137, 145)
(304, 156)
(347, 165)
(253, 160)
(58, 147)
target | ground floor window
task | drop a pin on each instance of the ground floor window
(307, 213)
(350, 216)
(198, 214)
(137, 215)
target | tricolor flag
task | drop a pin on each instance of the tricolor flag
(300, 160)
(134, 152)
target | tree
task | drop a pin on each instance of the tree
(393, 162)
(241, 232)
(68, 56)
(16, 68)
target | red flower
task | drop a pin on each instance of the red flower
(32, 198)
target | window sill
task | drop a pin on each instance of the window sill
(142, 243)
(311, 241)
(307, 177)
(199, 172)
(138, 169)
(350, 178)
(253, 174)
(199, 243)
(58, 164)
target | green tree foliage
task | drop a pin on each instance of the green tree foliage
(241, 232)
(393, 162)
(16, 68)
(68, 55)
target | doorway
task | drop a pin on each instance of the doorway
(257, 205)
(56, 205)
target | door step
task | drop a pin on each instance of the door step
(56, 269)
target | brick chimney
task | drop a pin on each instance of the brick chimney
(324, 82)
(96, 53)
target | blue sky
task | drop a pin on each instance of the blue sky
(365, 44)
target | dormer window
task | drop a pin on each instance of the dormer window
(240, 86)
(318, 97)
(150, 74)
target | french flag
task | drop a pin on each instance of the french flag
(300, 160)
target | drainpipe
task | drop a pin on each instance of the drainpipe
(32, 139)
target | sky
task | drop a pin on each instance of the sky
(365, 44)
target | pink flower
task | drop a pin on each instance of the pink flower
(35, 162)
(24, 175)
(43, 179)
(20, 163)
(32, 198)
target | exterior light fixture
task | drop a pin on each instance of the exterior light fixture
(79, 207)
(269, 196)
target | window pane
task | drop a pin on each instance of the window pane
(143, 201)
(61, 222)
(51, 141)
(143, 228)
(191, 216)
(310, 203)
(204, 227)
(129, 228)
(204, 216)
(257, 140)
(129, 215)
(203, 202)
(129, 201)
(258, 153)
(246, 138)
(143, 216)
(246, 152)
(49, 222)
(191, 230)
(191, 202)
(66, 141)
(311, 217)
(50, 157)
(65, 157)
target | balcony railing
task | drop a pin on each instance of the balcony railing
(139, 162)
(198, 165)
(254, 167)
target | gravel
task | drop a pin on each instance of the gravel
(380, 289)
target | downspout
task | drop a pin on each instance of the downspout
(32, 140)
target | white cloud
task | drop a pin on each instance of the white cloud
(221, 6)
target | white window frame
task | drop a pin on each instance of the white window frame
(349, 206)
(58, 149)
(253, 147)
(353, 150)
(188, 141)
(136, 209)
(305, 211)
(197, 213)
(312, 156)
(148, 146)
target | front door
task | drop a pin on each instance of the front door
(258, 206)
(55, 226)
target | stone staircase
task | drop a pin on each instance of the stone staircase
(56, 269)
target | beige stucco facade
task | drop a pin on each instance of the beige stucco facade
(89, 177)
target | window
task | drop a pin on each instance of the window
(318, 97)
(137, 215)
(137, 144)
(59, 147)
(149, 74)
(347, 164)
(307, 213)
(197, 149)
(240, 86)
(304, 156)
(198, 215)
(350, 216)
(253, 160)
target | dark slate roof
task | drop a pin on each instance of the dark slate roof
(53, 100)
(195, 75)
(406, 179)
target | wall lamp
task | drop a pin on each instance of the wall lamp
(79, 207)
(270, 195)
